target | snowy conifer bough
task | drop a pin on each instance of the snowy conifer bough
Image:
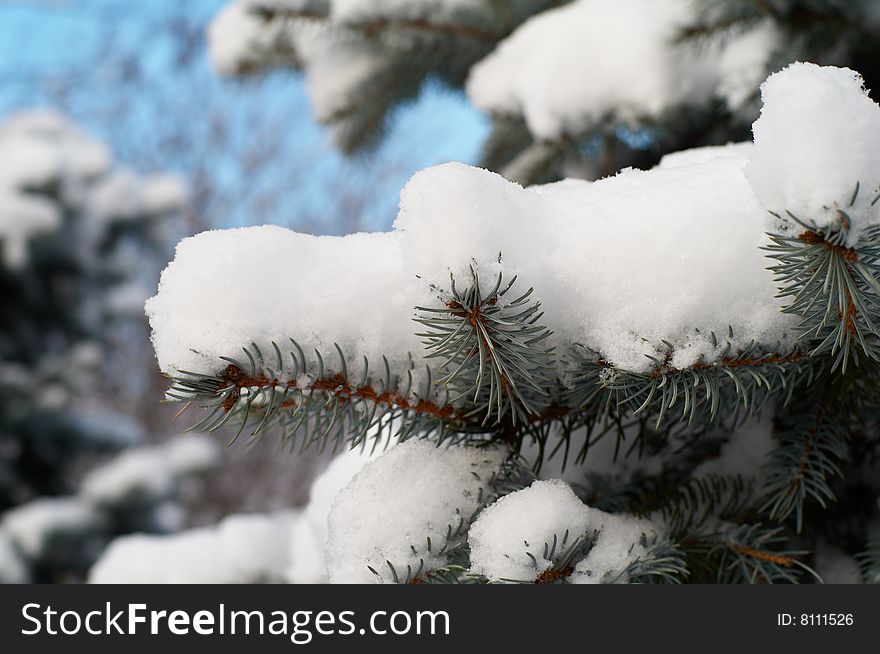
(693, 348)
(562, 80)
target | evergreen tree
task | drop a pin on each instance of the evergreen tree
(665, 376)
(71, 224)
(580, 88)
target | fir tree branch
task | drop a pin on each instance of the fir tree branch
(833, 287)
(813, 446)
(491, 349)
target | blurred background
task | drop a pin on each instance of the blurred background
(126, 126)
(126, 140)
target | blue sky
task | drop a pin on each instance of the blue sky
(136, 75)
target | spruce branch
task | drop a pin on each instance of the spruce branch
(746, 553)
(492, 350)
(833, 287)
(663, 562)
(304, 399)
(869, 562)
(814, 444)
(735, 387)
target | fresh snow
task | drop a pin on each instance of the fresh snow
(413, 492)
(623, 266)
(817, 137)
(565, 70)
(568, 68)
(48, 166)
(607, 275)
(240, 549)
(13, 569)
(519, 524)
(149, 475)
(436, 11)
(308, 536)
(35, 525)
(228, 288)
(22, 218)
(744, 63)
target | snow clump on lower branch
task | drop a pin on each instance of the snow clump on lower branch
(408, 508)
(538, 533)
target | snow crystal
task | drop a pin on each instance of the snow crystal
(413, 492)
(241, 549)
(521, 523)
(817, 137)
(33, 526)
(618, 545)
(568, 68)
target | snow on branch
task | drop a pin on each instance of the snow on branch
(653, 287)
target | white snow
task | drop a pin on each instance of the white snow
(434, 11)
(23, 217)
(240, 549)
(744, 61)
(835, 566)
(413, 492)
(34, 525)
(623, 265)
(337, 70)
(149, 475)
(695, 156)
(12, 567)
(42, 152)
(308, 288)
(308, 536)
(614, 262)
(236, 36)
(745, 451)
(817, 136)
(42, 147)
(521, 523)
(192, 454)
(124, 195)
(569, 68)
